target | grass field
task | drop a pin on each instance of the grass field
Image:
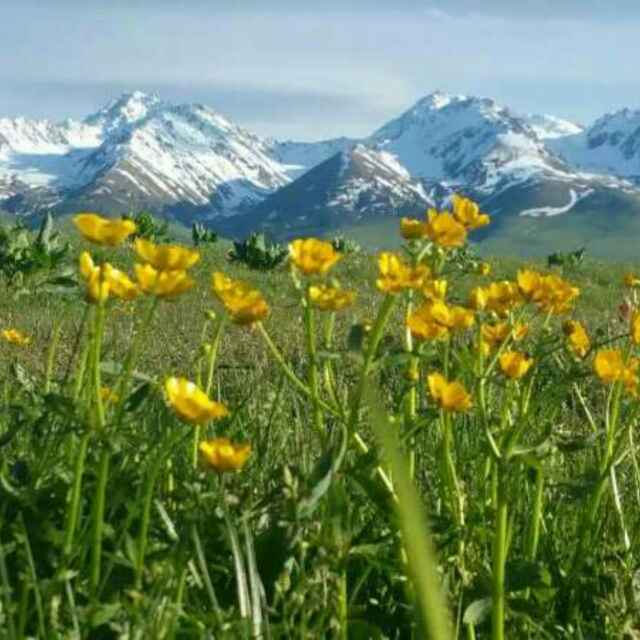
(373, 505)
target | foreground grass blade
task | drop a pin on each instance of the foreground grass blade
(430, 604)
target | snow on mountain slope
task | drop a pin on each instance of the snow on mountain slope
(574, 198)
(353, 185)
(548, 127)
(140, 151)
(124, 111)
(190, 162)
(186, 154)
(610, 146)
(461, 140)
(299, 157)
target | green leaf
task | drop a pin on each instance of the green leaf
(477, 612)
(326, 469)
(103, 613)
(138, 397)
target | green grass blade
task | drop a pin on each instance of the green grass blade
(431, 607)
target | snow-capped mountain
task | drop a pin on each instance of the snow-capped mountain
(190, 162)
(140, 152)
(611, 145)
(472, 142)
(356, 184)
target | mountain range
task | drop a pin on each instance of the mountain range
(190, 163)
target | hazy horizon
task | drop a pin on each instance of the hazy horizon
(305, 73)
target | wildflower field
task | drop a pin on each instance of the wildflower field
(401, 445)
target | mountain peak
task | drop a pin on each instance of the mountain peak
(129, 108)
(437, 100)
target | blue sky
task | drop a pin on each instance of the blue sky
(308, 70)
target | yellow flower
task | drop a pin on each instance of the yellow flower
(395, 275)
(223, 455)
(550, 293)
(478, 298)
(452, 317)
(120, 285)
(495, 334)
(103, 231)
(412, 229)
(108, 395)
(13, 336)
(105, 280)
(244, 304)
(468, 213)
(435, 289)
(528, 282)
(313, 256)
(631, 280)
(610, 367)
(577, 338)
(435, 319)
(164, 284)
(192, 404)
(450, 395)
(423, 325)
(630, 376)
(502, 297)
(97, 285)
(556, 295)
(166, 257)
(483, 346)
(445, 230)
(330, 298)
(515, 364)
(484, 269)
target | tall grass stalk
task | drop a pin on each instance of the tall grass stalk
(431, 608)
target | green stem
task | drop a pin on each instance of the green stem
(146, 509)
(131, 358)
(343, 606)
(144, 525)
(328, 374)
(533, 534)
(51, 354)
(97, 354)
(80, 373)
(413, 373)
(499, 561)
(202, 564)
(376, 335)
(213, 354)
(34, 579)
(300, 386)
(76, 492)
(197, 430)
(98, 520)
(456, 500)
(310, 331)
(7, 597)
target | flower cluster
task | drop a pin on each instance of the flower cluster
(449, 395)
(16, 337)
(105, 281)
(164, 272)
(446, 229)
(437, 319)
(244, 304)
(395, 275)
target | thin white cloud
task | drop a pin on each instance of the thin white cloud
(366, 62)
